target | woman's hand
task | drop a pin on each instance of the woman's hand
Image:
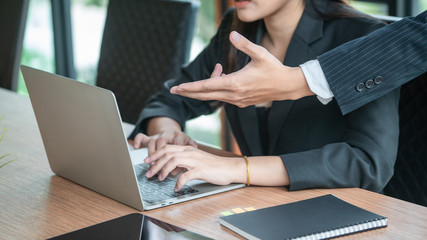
(263, 79)
(199, 165)
(155, 142)
(162, 131)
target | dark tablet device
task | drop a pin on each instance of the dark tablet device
(134, 226)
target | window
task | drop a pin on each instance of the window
(399, 8)
(87, 20)
(377, 8)
(37, 50)
(206, 129)
(422, 6)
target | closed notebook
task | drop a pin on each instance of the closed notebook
(316, 218)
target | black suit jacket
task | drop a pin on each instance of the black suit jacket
(394, 54)
(319, 146)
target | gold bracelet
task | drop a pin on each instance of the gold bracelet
(248, 179)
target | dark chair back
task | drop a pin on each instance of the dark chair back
(409, 181)
(13, 16)
(145, 42)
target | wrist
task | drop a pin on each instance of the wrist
(158, 125)
(238, 170)
(298, 87)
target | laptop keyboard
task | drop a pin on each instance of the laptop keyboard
(153, 190)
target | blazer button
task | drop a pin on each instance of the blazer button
(378, 80)
(369, 84)
(360, 87)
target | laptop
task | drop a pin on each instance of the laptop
(83, 136)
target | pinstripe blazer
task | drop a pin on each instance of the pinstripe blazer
(318, 145)
(390, 56)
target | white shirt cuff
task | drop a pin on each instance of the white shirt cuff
(316, 81)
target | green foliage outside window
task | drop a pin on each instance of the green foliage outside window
(370, 7)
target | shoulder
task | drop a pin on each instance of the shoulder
(352, 25)
(347, 25)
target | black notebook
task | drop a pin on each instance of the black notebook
(316, 218)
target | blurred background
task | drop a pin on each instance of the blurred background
(87, 19)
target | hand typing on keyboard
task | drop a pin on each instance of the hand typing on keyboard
(154, 190)
(199, 165)
(159, 137)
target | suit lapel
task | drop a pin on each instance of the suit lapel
(249, 124)
(247, 116)
(309, 29)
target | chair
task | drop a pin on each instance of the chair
(13, 16)
(145, 42)
(409, 181)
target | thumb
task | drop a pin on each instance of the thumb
(243, 44)
(217, 72)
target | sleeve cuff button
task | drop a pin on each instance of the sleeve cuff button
(360, 87)
(378, 80)
(369, 84)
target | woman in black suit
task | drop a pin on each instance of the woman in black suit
(300, 144)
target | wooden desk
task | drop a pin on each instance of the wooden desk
(36, 204)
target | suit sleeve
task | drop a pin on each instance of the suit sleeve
(365, 158)
(390, 57)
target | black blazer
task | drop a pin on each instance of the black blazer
(394, 55)
(319, 146)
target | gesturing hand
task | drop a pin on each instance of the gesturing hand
(199, 165)
(263, 79)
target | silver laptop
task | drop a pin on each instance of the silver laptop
(82, 132)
